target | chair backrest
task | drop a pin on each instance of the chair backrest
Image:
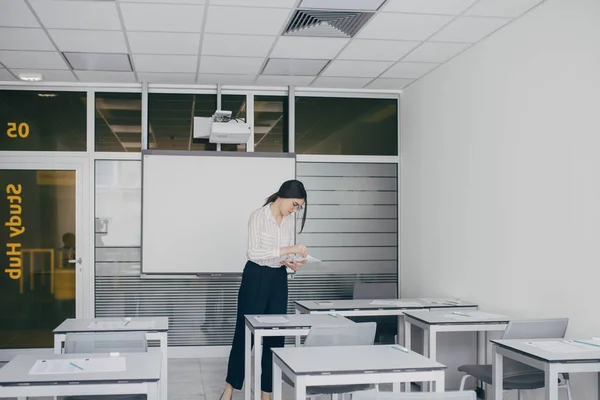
(462, 395)
(371, 291)
(106, 342)
(531, 329)
(358, 334)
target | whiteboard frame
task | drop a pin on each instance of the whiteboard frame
(195, 153)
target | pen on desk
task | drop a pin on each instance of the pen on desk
(588, 343)
(126, 322)
(333, 315)
(403, 349)
(76, 366)
(460, 313)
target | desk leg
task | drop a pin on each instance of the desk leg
(59, 339)
(408, 345)
(298, 340)
(551, 382)
(440, 381)
(154, 391)
(277, 382)
(300, 387)
(425, 385)
(164, 372)
(497, 374)
(248, 364)
(257, 363)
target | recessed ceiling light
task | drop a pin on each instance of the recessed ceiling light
(99, 61)
(30, 77)
(363, 5)
(294, 67)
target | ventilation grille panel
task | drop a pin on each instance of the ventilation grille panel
(343, 24)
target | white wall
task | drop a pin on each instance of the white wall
(500, 185)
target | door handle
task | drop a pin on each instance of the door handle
(76, 261)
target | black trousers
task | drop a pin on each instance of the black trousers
(264, 290)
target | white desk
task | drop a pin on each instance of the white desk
(561, 356)
(434, 322)
(345, 365)
(142, 376)
(297, 325)
(156, 328)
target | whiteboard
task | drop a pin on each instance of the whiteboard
(196, 207)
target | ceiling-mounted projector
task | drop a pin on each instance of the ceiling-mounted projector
(221, 128)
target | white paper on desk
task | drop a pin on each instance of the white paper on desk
(264, 319)
(86, 365)
(484, 315)
(111, 325)
(560, 346)
(441, 301)
(395, 303)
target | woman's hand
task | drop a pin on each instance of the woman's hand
(293, 265)
(301, 249)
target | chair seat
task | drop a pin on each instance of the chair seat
(108, 397)
(524, 381)
(338, 389)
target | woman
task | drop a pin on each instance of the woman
(264, 288)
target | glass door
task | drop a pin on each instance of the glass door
(41, 257)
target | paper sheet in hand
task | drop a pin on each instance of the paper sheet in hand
(272, 320)
(395, 303)
(308, 259)
(78, 365)
(561, 346)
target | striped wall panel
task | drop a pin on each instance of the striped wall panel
(352, 226)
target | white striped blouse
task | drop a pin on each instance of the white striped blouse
(266, 237)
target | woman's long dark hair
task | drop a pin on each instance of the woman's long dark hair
(293, 189)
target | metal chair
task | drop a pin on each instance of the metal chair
(352, 335)
(387, 327)
(461, 395)
(106, 342)
(518, 376)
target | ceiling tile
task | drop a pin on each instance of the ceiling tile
(163, 17)
(48, 75)
(295, 67)
(308, 47)
(24, 39)
(16, 13)
(246, 20)
(274, 80)
(106, 76)
(255, 3)
(402, 26)
(213, 79)
(504, 8)
(89, 41)
(389, 84)
(409, 70)
(5, 75)
(469, 29)
(363, 5)
(341, 82)
(435, 52)
(164, 43)
(356, 68)
(101, 15)
(376, 50)
(237, 45)
(32, 59)
(154, 77)
(160, 63)
(451, 7)
(230, 65)
(98, 61)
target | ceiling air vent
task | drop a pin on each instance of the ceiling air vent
(343, 24)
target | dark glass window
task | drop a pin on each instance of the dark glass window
(118, 122)
(42, 121)
(349, 126)
(271, 124)
(171, 119)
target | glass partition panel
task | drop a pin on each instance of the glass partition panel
(271, 124)
(42, 121)
(348, 126)
(118, 122)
